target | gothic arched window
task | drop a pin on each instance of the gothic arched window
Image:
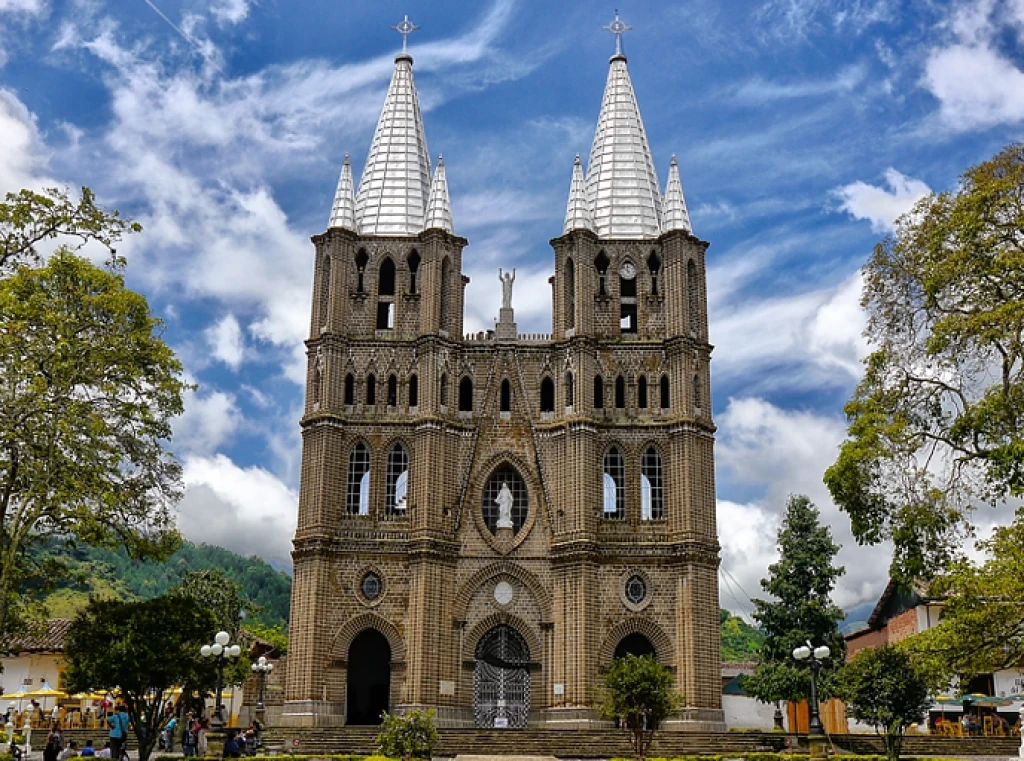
(652, 492)
(547, 395)
(413, 260)
(371, 390)
(697, 395)
(506, 396)
(466, 394)
(350, 389)
(392, 391)
(693, 297)
(444, 390)
(641, 392)
(598, 392)
(505, 475)
(601, 262)
(325, 291)
(570, 390)
(362, 259)
(614, 485)
(664, 392)
(316, 383)
(414, 391)
(620, 393)
(570, 295)
(397, 480)
(386, 295)
(358, 496)
(654, 267)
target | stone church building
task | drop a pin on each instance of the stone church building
(486, 521)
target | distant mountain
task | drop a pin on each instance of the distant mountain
(857, 617)
(108, 573)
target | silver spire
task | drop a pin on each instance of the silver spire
(618, 28)
(674, 214)
(393, 191)
(343, 213)
(622, 186)
(439, 207)
(577, 211)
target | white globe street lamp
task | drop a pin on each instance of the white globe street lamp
(813, 656)
(221, 651)
(262, 669)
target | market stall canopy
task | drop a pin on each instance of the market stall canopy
(46, 691)
(19, 694)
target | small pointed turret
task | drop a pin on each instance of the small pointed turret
(393, 191)
(674, 215)
(343, 213)
(439, 207)
(622, 186)
(577, 211)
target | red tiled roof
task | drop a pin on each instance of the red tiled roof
(41, 640)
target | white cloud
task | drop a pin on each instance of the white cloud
(209, 421)
(228, 12)
(22, 159)
(226, 342)
(27, 7)
(878, 205)
(976, 83)
(781, 452)
(759, 90)
(247, 510)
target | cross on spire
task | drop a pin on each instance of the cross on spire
(618, 27)
(405, 29)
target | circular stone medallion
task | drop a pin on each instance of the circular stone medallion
(503, 593)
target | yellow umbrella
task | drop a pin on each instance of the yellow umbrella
(18, 694)
(46, 691)
(87, 696)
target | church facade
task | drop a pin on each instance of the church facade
(486, 521)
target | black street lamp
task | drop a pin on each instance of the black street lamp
(262, 669)
(221, 651)
(814, 656)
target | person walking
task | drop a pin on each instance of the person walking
(54, 744)
(118, 722)
(169, 728)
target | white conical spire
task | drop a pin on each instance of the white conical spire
(439, 207)
(674, 215)
(343, 213)
(622, 186)
(577, 211)
(393, 191)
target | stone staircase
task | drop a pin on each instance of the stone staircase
(562, 743)
(571, 743)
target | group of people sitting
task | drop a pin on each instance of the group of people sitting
(56, 750)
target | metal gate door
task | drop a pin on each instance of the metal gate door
(501, 679)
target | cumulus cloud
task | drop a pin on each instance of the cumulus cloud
(28, 7)
(225, 341)
(23, 158)
(247, 509)
(878, 205)
(780, 452)
(209, 421)
(978, 84)
(228, 12)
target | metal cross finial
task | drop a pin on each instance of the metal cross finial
(618, 27)
(405, 29)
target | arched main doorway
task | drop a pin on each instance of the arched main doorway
(369, 677)
(634, 644)
(501, 679)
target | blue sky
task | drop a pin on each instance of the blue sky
(802, 128)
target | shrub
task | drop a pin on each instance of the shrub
(411, 736)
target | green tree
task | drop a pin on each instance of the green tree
(28, 218)
(638, 692)
(882, 688)
(982, 625)
(800, 584)
(142, 648)
(935, 426)
(87, 392)
(410, 736)
(740, 640)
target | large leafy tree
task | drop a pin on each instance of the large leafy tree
(882, 688)
(800, 608)
(638, 691)
(28, 219)
(87, 392)
(982, 625)
(144, 649)
(217, 593)
(935, 426)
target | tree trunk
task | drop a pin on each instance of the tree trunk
(893, 743)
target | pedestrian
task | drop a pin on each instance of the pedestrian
(118, 721)
(169, 728)
(88, 750)
(69, 752)
(54, 744)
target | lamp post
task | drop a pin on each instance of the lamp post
(262, 669)
(220, 651)
(814, 656)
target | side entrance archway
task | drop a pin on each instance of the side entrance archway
(369, 677)
(501, 679)
(634, 644)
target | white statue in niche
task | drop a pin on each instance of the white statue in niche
(504, 502)
(506, 287)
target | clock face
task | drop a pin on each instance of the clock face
(627, 270)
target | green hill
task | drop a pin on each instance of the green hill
(109, 573)
(740, 640)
